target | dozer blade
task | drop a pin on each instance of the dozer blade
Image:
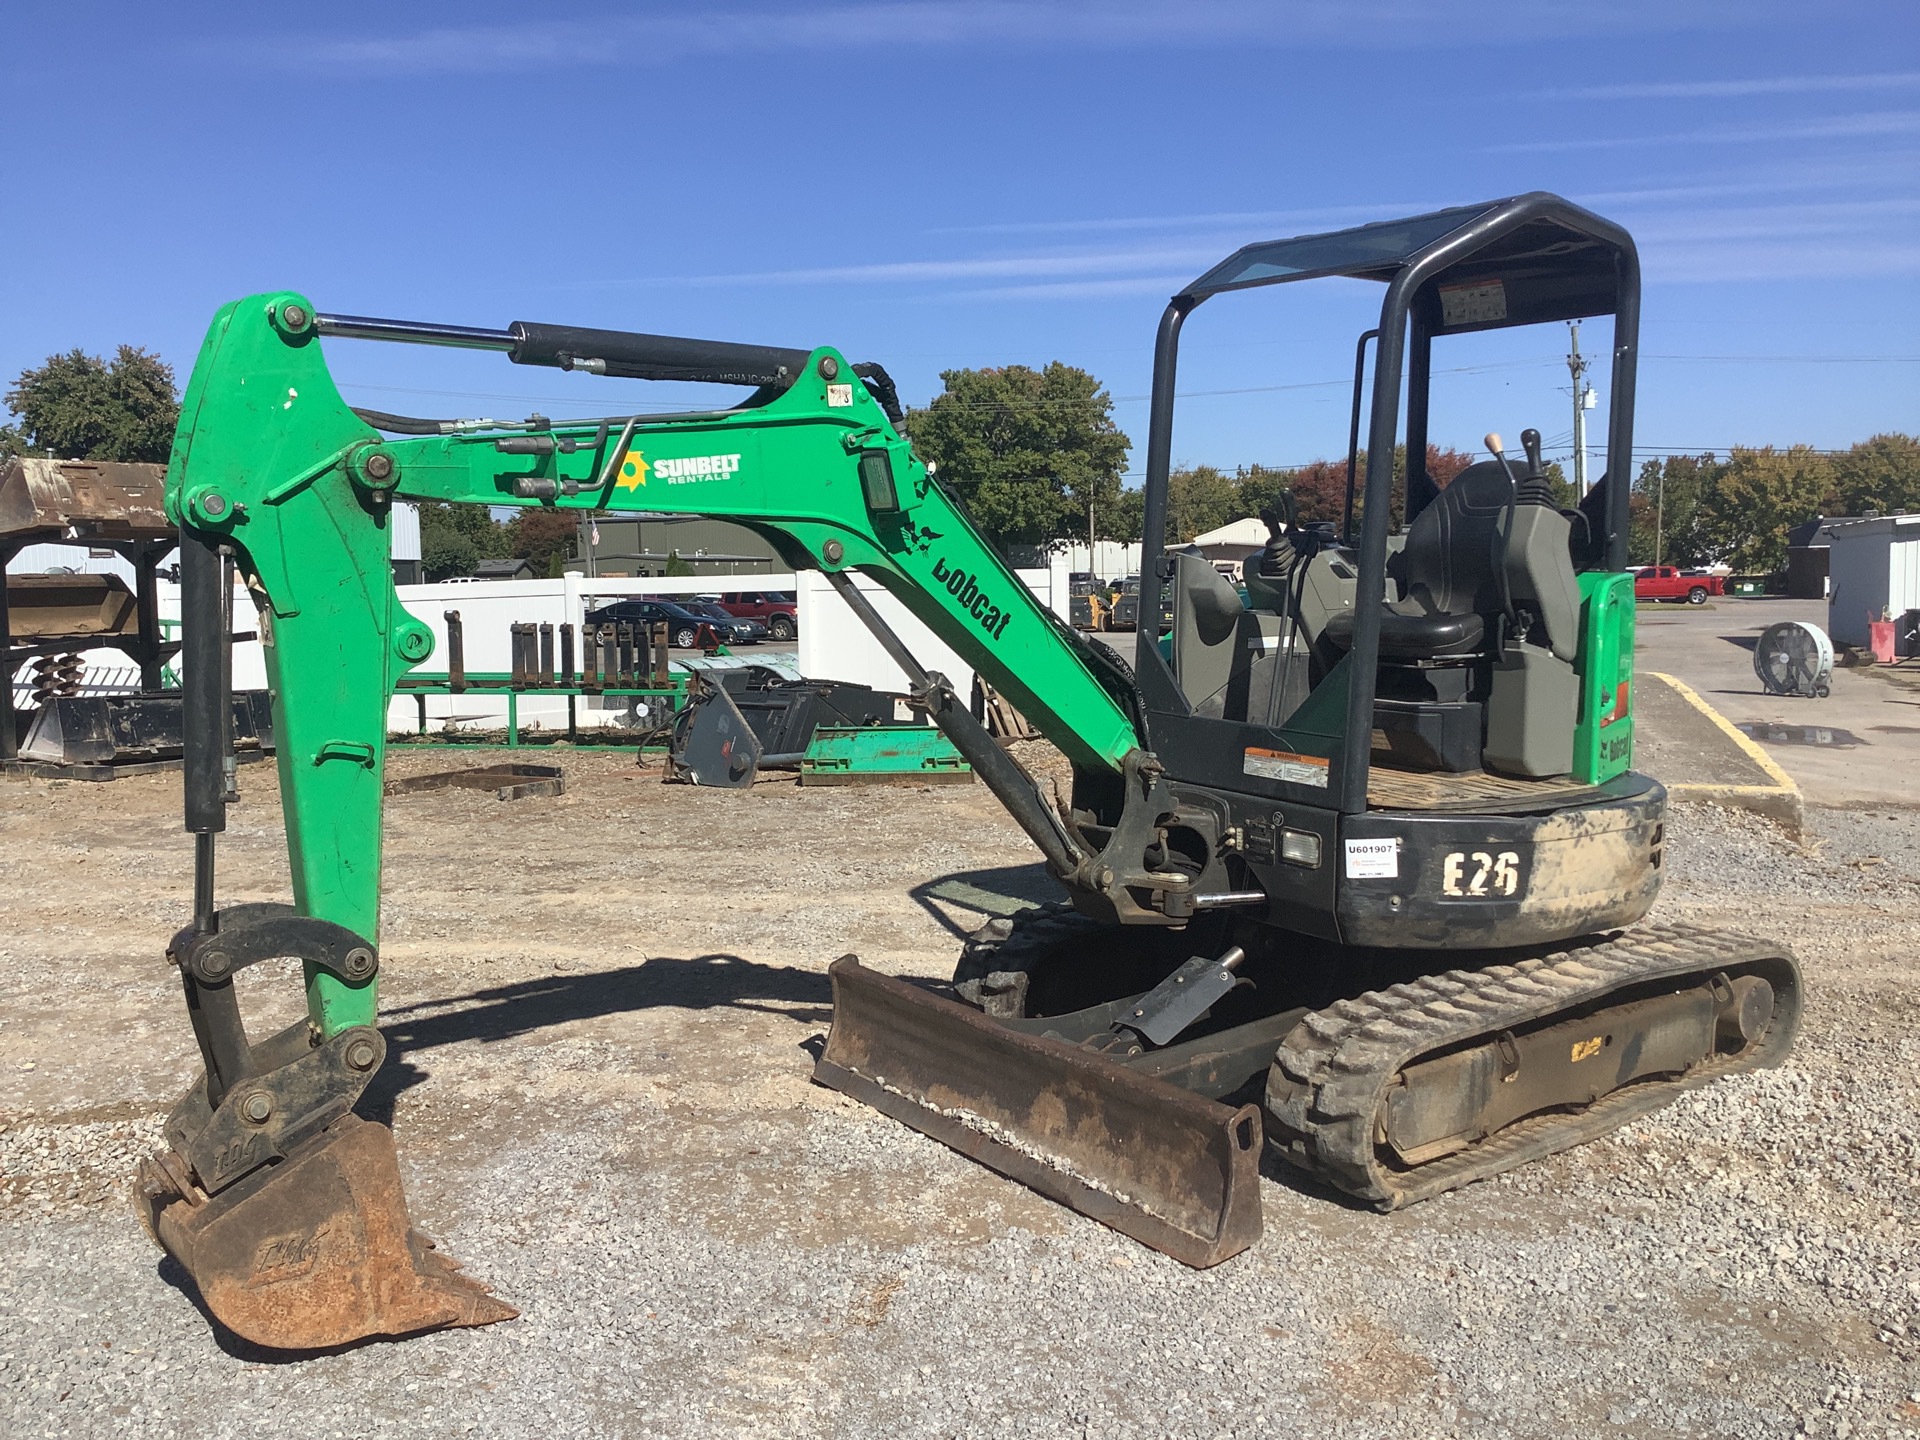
(1174, 1170)
(315, 1251)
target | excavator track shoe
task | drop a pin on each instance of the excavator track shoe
(1172, 1169)
(315, 1251)
(1405, 1093)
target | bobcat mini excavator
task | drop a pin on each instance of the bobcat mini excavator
(1346, 862)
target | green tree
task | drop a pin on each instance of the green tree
(1669, 524)
(676, 566)
(1757, 496)
(1033, 454)
(1199, 499)
(455, 538)
(1129, 516)
(1881, 473)
(80, 407)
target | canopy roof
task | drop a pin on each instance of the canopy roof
(1547, 259)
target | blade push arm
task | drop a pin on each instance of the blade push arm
(270, 460)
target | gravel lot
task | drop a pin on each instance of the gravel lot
(603, 1004)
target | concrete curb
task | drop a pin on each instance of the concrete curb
(1780, 802)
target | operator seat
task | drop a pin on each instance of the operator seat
(1446, 573)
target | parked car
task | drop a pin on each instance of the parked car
(1667, 582)
(775, 609)
(714, 610)
(685, 629)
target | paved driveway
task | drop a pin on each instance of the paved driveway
(1872, 717)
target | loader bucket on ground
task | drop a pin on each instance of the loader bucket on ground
(315, 1251)
(1172, 1169)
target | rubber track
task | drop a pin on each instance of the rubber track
(1343, 1060)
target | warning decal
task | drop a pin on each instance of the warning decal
(1285, 765)
(1476, 304)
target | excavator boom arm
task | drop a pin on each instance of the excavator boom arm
(270, 462)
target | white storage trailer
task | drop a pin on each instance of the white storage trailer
(1874, 573)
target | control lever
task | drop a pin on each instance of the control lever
(1530, 442)
(1499, 453)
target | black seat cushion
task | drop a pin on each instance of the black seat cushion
(1409, 631)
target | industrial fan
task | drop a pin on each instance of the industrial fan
(1794, 658)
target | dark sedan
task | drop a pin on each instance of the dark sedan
(685, 628)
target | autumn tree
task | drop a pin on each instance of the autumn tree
(545, 538)
(1033, 454)
(79, 407)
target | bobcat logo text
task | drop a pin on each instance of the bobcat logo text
(972, 598)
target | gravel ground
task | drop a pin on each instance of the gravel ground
(603, 1004)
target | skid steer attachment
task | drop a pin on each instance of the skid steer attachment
(1171, 1168)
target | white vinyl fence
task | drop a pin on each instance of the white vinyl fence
(833, 644)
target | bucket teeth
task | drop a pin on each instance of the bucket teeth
(315, 1251)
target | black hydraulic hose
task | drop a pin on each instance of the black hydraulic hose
(401, 424)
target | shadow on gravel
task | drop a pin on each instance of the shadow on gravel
(506, 1012)
(1307, 1187)
(1002, 890)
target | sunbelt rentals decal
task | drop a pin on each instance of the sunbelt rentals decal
(972, 598)
(636, 469)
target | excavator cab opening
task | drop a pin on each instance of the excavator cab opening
(1369, 686)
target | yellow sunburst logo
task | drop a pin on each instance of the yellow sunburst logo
(633, 473)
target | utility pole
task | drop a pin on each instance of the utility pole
(1660, 515)
(1583, 398)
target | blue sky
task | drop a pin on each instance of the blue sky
(935, 184)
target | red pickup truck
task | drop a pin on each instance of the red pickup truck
(775, 609)
(1665, 582)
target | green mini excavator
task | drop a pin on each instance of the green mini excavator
(1346, 863)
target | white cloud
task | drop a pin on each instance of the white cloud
(656, 38)
(1079, 264)
(1295, 221)
(1729, 89)
(1160, 285)
(1832, 127)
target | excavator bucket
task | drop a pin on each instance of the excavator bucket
(315, 1251)
(1173, 1169)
